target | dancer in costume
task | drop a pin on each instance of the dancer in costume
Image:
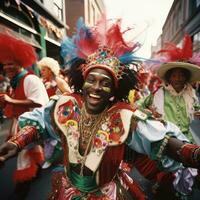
(26, 92)
(176, 100)
(96, 126)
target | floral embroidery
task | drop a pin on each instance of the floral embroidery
(71, 123)
(100, 142)
(109, 131)
(116, 127)
(68, 110)
(101, 139)
(97, 143)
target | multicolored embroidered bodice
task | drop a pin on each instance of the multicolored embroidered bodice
(111, 131)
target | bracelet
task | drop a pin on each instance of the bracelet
(162, 147)
(25, 136)
(195, 155)
(188, 154)
(13, 143)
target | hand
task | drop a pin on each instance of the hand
(197, 114)
(154, 111)
(7, 150)
(4, 98)
(155, 114)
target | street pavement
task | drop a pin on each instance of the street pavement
(40, 187)
(4, 130)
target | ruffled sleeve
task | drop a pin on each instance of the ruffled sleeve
(150, 138)
(41, 119)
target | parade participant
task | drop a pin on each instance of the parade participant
(95, 124)
(55, 85)
(26, 92)
(4, 85)
(176, 100)
(50, 73)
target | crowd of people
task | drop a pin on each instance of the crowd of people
(108, 124)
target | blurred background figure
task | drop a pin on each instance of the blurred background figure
(52, 78)
(4, 85)
(176, 101)
(55, 84)
(26, 92)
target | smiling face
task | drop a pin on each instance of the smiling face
(11, 69)
(178, 79)
(98, 88)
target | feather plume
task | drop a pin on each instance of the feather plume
(87, 40)
(175, 53)
(84, 40)
(195, 59)
(100, 30)
(68, 49)
(116, 42)
(171, 51)
(187, 47)
(16, 50)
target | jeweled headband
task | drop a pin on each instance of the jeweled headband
(104, 58)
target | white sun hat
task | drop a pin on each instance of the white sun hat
(51, 63)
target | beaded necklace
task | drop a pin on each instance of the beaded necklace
(88, 127)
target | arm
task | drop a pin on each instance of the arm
(197, 114)
(165, 144)
(24, 137)
(35, 93)
(33, 126)
(27, 102)
(186, 153)
(62, 85)
(197, 110)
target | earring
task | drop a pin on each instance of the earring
(112, 98)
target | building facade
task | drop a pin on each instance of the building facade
(90, 10)
(44, 23)
(183, 17)
(38, 22)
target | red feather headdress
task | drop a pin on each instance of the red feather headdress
(175, 53)
(13, 50)
(101, 46)
(184, 54)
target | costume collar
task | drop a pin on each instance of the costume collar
(173, 92)
(15, 80)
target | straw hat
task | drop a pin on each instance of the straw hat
(180, 57)
(192, 68)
